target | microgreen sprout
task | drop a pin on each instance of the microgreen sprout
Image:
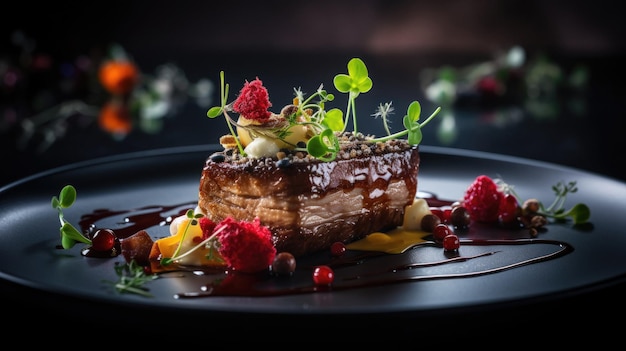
(410, 121)
(325, 125)
(69, 234)
(132, 278)
(354, 83)
(224, 108)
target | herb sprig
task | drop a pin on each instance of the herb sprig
(579, 213)
(325, 125)
(132, 278)
(69, 234)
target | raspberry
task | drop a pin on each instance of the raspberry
(253, 101)
(245, 246)
(207, 227)
(482, 199)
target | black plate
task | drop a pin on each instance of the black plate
(29, 235)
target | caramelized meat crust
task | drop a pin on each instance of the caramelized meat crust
(309, 204)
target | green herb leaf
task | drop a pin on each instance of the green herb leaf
(67, 196)
(132, 278)
(324, 145)
(334, 119)
(214, 112)
(70, 236)
(580, 214)
(343, 83)
(413, 111)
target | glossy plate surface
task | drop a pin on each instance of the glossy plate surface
(29, 235)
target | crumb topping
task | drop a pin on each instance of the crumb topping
(351, 146)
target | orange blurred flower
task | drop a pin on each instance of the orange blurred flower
(119, 77)
(115, 118)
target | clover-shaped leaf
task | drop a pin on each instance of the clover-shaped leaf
(333, 119)
(356, 81)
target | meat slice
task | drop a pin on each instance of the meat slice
(308, 204)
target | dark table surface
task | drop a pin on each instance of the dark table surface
(581, 129)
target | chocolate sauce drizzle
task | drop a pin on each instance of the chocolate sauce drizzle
(136, 219)
(258, 285)
(355, 269)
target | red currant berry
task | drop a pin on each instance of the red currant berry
(337, 249)
(451, 242)
(441, 231)
(323, 275)
(103, 240)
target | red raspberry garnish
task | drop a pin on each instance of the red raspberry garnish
(245, 246)
(253, 101)
(482, 199)
(207, 226)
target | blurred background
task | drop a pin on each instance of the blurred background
(542, 80)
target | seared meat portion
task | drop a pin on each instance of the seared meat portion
(308, 204)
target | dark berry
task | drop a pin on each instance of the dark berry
(103, 240)
(429, 222)
(451, 242)
(284, 263)
(217, 157)
(283, 162)
(323, 275)
(459, 217)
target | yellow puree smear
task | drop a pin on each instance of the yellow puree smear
(401, 238)
(393, 242)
